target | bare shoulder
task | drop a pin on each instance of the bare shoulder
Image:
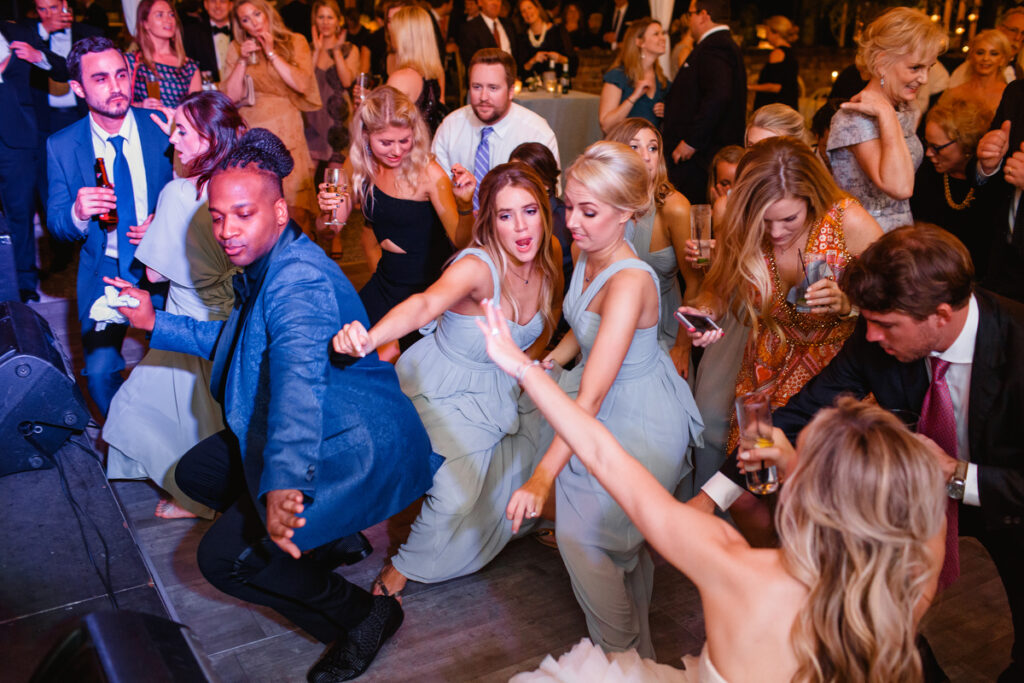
(860, 228)
(776, 56)
(676, 205)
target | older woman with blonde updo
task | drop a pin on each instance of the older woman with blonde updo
(627, 380)
(872, 147)
(988, 53)
(269, 74)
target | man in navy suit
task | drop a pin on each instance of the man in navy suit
(135, 152)
(706, 107)
(19, 156)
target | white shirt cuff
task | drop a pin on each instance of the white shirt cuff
(44, 63)
(83, 226)
(722, 490)
(981, 177)
(971, 494)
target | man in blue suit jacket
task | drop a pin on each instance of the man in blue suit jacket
(135, 151)
(310, 433)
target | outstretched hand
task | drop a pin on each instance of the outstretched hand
(143, 317)
(502, 349)
(283, 509)
(463, 184)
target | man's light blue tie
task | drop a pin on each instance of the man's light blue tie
(481, 163)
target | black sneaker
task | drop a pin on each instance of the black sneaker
(343, 551)
(350, 657)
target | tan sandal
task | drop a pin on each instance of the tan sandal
(380, 588)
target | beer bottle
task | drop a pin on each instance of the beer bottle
(108, 219)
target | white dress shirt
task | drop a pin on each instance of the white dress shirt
(132, 147)
(458, 136)
(724, 491)
(221, 43)
(60, 44)
(506, 44)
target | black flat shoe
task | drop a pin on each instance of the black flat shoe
(344, 551)
(350, 657)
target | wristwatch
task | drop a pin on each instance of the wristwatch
(958, 482)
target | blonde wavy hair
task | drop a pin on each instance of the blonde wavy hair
(773, 169)
(629, 53)
(781, 119)
(624, 131)
(616, 174)
(143, 43)
(854, 521)
(382, 108)
(485, 235)
(415, 44)
(998, 40)
(782, 26)
(898, 32)
(282, 36)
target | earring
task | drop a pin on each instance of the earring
(882, 80)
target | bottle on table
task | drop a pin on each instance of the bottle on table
(564, 82)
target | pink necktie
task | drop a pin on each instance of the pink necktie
(939, 424)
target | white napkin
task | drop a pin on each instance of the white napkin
(104, 309)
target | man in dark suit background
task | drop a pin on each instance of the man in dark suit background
(487, 30)
(19, 156)
(47, 44)
(135, 152)
(924, 324)
(1002, 148)
(207, 38)
(706, 106)
(617, 17)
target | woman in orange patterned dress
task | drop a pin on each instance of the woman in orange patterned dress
(783, 208)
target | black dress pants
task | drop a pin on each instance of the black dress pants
(237, 556)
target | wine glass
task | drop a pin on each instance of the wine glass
(754, 419)
(334, 178)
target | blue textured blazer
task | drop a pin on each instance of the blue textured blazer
(336, 428)
(70, 160)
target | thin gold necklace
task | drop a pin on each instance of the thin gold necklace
(949, 196)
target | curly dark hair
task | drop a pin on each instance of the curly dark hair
(262, 151)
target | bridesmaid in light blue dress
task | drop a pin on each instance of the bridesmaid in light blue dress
(465, 402)
(659, 235)
(628, 382)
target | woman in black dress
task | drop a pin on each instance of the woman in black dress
(778, 79)
(543, 42)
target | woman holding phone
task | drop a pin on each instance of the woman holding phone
(627, 380)
(783, 208)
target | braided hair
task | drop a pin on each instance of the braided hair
(261, 151)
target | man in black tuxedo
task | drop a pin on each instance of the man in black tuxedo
(1002, 148)
(706, 106)
(487, 30)
(208, 38)
(617, 16)
(19, 156)
(921, 313)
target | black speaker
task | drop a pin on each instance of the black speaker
(40, 404)
(126, 647)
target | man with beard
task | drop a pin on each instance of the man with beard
(135, 153)
(477, 137)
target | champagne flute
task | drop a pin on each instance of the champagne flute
(754, 419)
(364, 83)
(700, 232)
(334, 177)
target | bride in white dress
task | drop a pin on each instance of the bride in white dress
(861, 530)
(165, 407)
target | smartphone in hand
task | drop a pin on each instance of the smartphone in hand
(700, 323)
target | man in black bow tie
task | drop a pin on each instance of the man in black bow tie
(207, 39)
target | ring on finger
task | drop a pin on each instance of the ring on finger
(494, 331)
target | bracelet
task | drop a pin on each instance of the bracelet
(523, 367)
(854, 312)
(271, 55)
(466, 212)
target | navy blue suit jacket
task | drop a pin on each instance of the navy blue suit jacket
(70, 160)
(18, 129)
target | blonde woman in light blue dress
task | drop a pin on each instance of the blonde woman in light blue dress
(467, 404)
(627, 381)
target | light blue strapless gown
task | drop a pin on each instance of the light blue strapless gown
(467, 405)
(664, 263)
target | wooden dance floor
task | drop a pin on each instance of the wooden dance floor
(484, 627)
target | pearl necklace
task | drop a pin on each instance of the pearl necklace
(539, 40)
